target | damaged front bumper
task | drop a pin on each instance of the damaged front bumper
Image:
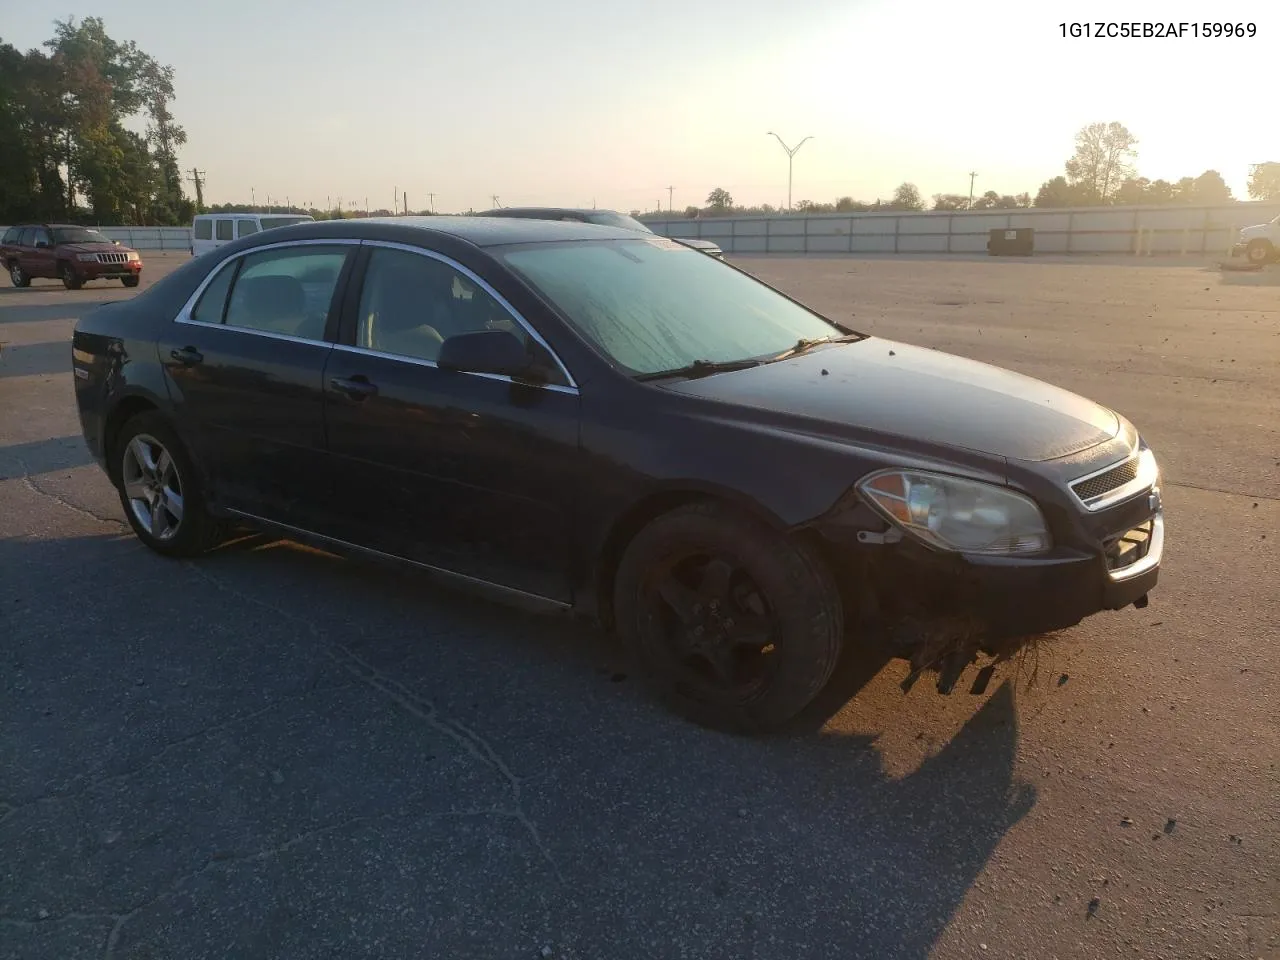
(942, 610)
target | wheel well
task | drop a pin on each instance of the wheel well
(122, 413)
(636, 519)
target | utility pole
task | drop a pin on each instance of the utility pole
(973, 174)
(494, 198)
(405, 197)
(791, 155)
(670, 193)
(395, 201)
(197, 178)
(253, 198)
(431, 198)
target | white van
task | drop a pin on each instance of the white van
(211, 230)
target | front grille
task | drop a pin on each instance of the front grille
(1129, 547)
(113, 258)
(1102, 484)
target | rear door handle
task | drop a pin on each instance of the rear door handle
(356, 388)
(187, 356)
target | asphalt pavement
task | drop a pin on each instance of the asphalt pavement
(273, 752)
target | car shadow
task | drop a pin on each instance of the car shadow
(35, 359)
(1245, 275)
(797, 840)
(43, 456)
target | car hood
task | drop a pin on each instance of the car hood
(927, 396)
(95, 248)
(1256, 230)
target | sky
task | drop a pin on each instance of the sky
(611, 102)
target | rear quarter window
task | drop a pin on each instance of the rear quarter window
(10, 235)
(204, 230)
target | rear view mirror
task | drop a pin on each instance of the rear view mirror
(486, 351)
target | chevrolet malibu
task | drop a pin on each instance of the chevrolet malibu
(596, 421)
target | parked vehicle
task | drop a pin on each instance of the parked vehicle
(607, 218)
(590, 420)
(62, 251)
(1260, 243)
(212, 230)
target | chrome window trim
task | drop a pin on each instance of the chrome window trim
(184, 315)
(432, 365)
(502, 301)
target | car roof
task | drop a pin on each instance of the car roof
(549, 211)
(477, 231)
(224, 216)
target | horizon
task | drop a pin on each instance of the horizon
(703, 108)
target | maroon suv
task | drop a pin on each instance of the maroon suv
(68, 253)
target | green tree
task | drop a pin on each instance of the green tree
(720, 200)
(1059, 193)
(950, 201)
(65, 131)
(1264, 181)
(907, 197)
(1103, 159)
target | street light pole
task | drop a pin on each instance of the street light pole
(791, 155)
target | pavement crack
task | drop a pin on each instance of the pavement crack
(81, 784)
(40, 491)
(415, 705)
(267, 853)
(19, 923)
(1229, 493)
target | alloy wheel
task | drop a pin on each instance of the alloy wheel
(152, 486)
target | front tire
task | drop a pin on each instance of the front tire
(70, 279)
(736, 626)
(1259, 251)
(130, 281)
(17, 276)
(160, 488)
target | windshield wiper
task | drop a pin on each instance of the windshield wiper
(700, 368)
(804, 346)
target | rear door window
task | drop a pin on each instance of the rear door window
(245, 227)
(41, 235)
(224, 230)
(11, 235)
(286, 291)
(204, 230)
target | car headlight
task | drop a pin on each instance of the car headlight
(962, 516)
(87, 257)
(132, 257)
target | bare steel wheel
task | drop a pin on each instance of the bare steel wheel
(153, 486)
(735, 625)
(160, 488)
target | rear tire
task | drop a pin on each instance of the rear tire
(160, 488)
(17, 276)
(1259, 251)
(70, 279)
(746, 658)
(130, 281)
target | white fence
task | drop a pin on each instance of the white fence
(1163, 230)
(146, 238)
(1087, 230)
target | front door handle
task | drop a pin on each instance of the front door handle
(187, 356)
(356, 388)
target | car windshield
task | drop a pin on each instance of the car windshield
(269, 222)
(652, 305)
(77, 235)
(619, 220)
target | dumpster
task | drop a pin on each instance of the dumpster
(1019, 242)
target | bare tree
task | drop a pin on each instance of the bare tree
(1103, 159)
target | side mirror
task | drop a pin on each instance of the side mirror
(42, 244)
(486, 351)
